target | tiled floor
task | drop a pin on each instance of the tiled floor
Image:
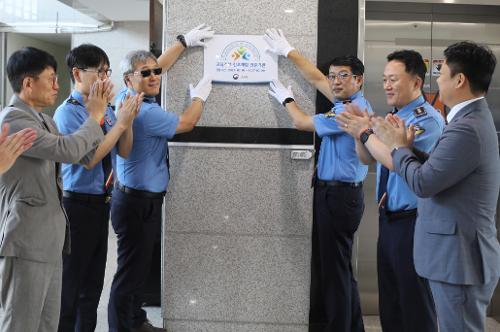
(372, 323)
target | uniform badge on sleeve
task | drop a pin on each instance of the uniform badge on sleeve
(419, 130)
(419, 111)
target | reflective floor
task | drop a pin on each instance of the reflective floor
(372, 323)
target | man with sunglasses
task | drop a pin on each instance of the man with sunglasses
(87, 189)
(143, 177)
(338, 192)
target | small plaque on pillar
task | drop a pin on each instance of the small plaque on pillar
(240, 59)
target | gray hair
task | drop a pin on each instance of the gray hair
(127, 65)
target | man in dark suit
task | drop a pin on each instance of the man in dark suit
(456, 246)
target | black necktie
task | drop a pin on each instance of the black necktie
(150, 100)
(382, 195)
(382, 187)
(107, 167)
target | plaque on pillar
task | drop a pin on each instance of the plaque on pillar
(240, 59)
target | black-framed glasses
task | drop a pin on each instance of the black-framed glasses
(340, 76)
(100, 72)
(147, 72)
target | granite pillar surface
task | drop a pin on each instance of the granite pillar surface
(238, 218)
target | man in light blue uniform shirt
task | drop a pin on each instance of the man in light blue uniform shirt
(338, 192)
(405, 301)
(429, 125)
(146, 167)
(143, 177)
(87, 190)
(337, 146)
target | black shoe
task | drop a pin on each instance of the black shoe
(148, 327)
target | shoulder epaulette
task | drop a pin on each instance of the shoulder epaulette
(73, 101)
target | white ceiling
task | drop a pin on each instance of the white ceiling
(138, 10)
(119, 10)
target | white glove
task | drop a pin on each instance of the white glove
(277, 42)
(195, 36)
(202, 90)
(279, 92)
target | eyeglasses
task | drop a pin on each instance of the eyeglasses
(340, 76)
(100, 72)
(147, 72)
(52, 79)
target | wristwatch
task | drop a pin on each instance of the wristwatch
(182, 40)
(287, 100)
(365, 135)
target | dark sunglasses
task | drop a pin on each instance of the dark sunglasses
(147, 72)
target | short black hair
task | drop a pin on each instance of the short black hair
(27, 62)
(85, 56)
(414, 64)
(476, 62)
(351, 61)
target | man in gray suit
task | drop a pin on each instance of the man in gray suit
(32, 220)
(456, 246)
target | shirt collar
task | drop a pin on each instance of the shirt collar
(17, 102)
(77, 96)
(458, 107)
(355, 96)
(410, 107)
(146, 99)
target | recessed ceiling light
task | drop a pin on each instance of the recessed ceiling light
(289, 11)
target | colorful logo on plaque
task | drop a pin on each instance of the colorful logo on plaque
(240, 51)
(240, 59)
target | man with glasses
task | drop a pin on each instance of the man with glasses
(142, 178)
(87, 189)
(405, 300)
(33, 222)
(338, 192)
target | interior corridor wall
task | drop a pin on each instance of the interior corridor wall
(16, 41)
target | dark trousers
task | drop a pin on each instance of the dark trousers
(334, 296)
(83, 270)
(405, 300)
(137, 222)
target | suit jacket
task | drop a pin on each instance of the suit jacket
(33, 221)
(458, 186)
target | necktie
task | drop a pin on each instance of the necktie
(107, 167)
(150, 100)
(382, 196)
(382, 188)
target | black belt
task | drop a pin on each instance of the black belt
(401, 213)
(139, 193)
(92, 198)
(333, 183)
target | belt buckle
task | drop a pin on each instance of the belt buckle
(107, 199)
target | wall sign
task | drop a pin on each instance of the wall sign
(239, 59)
(436, 66)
